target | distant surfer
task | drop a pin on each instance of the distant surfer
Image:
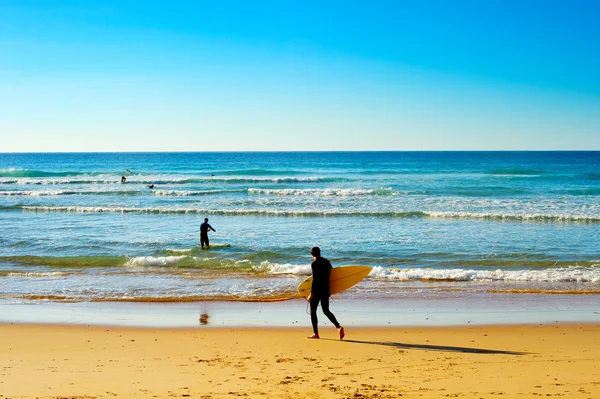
(319, 292)
(204, 227)
(150, 186)
(123, 179)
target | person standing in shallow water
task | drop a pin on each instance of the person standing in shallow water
(204, 227)
(319, 292)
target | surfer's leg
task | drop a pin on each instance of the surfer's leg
(327, 312)
(314, 304)
(325, 307)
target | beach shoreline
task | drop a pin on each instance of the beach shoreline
(501, 309)
(76, 361)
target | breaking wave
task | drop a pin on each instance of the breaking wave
(54, 193)
(326, 192)
(146, 180)
(563, 274)
(524, 217)
(188, 193)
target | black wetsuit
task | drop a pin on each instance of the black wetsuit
(320, 292)
(204, 233)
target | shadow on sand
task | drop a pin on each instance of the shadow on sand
(440, 348)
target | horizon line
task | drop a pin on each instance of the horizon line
(289, 151)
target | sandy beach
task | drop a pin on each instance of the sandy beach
(71, 361)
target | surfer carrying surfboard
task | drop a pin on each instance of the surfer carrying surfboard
(319, 292)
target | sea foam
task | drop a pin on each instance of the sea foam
(525, 217)
(154, 260)
(565, 274)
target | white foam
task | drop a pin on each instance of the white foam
(189, 193)
(561, 217)
(314, 192)
(154, 260)
(159, 179)
(564, 274)
(180, 250)
(320, 212)
(39, 274)
(177, 193)
(38, 193)
(283, 268)
(58, 180)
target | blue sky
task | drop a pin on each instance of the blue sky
(302, 75)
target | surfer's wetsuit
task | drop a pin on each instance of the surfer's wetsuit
(320, 292)
(204, 233)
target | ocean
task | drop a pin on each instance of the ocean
(435, 226)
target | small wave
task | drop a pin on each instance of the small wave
(567, 274)
(515, 172)
(194, 250)
(272, 297)
(185, 193)
(179, 250)
(64, 181)
(233, 212)
(480, 191)
(259, 172)
(287, 179)
(47, 297)
(326, 192)
(526, 217)
(36, 274)
(146, 180)
(545, 291)
(32, 193)
(565, 218)
(154, 260)
(287, 268)
(53, 193)
(173, 257)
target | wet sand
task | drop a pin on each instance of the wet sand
(71, 361)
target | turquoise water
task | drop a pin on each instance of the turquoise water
(433, 225)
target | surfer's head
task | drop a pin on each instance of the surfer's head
(315, 251)
(206, 219)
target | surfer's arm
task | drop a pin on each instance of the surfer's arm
(309, 297)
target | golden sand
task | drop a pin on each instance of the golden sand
(63, 361)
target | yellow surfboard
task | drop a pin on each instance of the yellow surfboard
(340, 279)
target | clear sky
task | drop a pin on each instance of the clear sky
(118, 75)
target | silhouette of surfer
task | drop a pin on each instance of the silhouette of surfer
(123, 179)
(204, 227)
(319, 292)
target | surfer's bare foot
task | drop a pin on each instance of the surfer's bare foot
(314, 336)
(342, 333)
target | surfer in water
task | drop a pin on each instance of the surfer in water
(204, 227)
(319, 292)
